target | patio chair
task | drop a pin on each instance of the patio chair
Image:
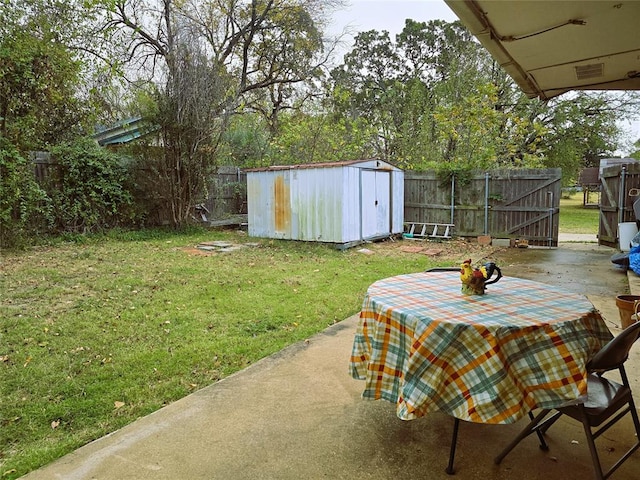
(607, 401)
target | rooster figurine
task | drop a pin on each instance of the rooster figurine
(472, 278)
(475, 280)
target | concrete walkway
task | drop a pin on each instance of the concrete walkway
(299, 415)
(577, 238)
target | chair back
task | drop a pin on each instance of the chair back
(616, 352)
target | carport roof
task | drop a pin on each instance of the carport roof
(551, 47)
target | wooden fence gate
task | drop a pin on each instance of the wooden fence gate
(515, 204)
(620, 188)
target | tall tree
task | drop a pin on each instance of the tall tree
(207, 60)
(369, 85)
(39, 81)
(436, 99)
(581, 130)
(398, 86)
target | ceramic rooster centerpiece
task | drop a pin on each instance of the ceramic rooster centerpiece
(475, 279)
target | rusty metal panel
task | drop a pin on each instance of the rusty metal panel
(269, 208)
(317, 204)
(281, 205)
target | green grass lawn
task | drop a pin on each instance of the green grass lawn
(575, 218)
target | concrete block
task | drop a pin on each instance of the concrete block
(501, 242)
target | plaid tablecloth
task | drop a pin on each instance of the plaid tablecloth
(423, 345)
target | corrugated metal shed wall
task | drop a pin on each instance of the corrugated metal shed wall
(317, 203)
(333, 203)
(264, 191)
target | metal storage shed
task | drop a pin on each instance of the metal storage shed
(344, 203)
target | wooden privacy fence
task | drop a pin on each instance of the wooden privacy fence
(226, 197)
(518, 204)
(43, 165)
(227, 193)
(620, 188)
(514, 204)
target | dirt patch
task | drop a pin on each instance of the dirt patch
(454, 250)
(196, 252)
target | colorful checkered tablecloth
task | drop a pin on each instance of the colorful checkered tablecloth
(492, 358)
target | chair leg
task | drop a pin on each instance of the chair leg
(528, 430)
(543, 443)
(636, 422)
(546, 425)
(634, 416)
(452, 452)
(595, 459)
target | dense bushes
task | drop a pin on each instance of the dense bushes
(24, 206)
(91, 188)
(89, 191)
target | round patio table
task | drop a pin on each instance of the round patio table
(491, 358)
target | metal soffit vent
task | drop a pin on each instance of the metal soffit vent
(585, 72)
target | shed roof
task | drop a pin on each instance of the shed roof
(589, 176)
(379, 164)
(123, 131)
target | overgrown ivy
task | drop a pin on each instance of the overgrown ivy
(463, 174)
(91, 188)
(24, 206)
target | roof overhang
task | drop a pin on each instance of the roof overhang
(552, 47)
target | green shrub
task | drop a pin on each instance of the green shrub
(24, 206)
(91, 191)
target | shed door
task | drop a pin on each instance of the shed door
(376, 203)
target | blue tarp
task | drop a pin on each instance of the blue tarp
(634, 259)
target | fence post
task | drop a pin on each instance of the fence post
(622, 194)
(550, 193)
(453, 196)
(486, 203)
